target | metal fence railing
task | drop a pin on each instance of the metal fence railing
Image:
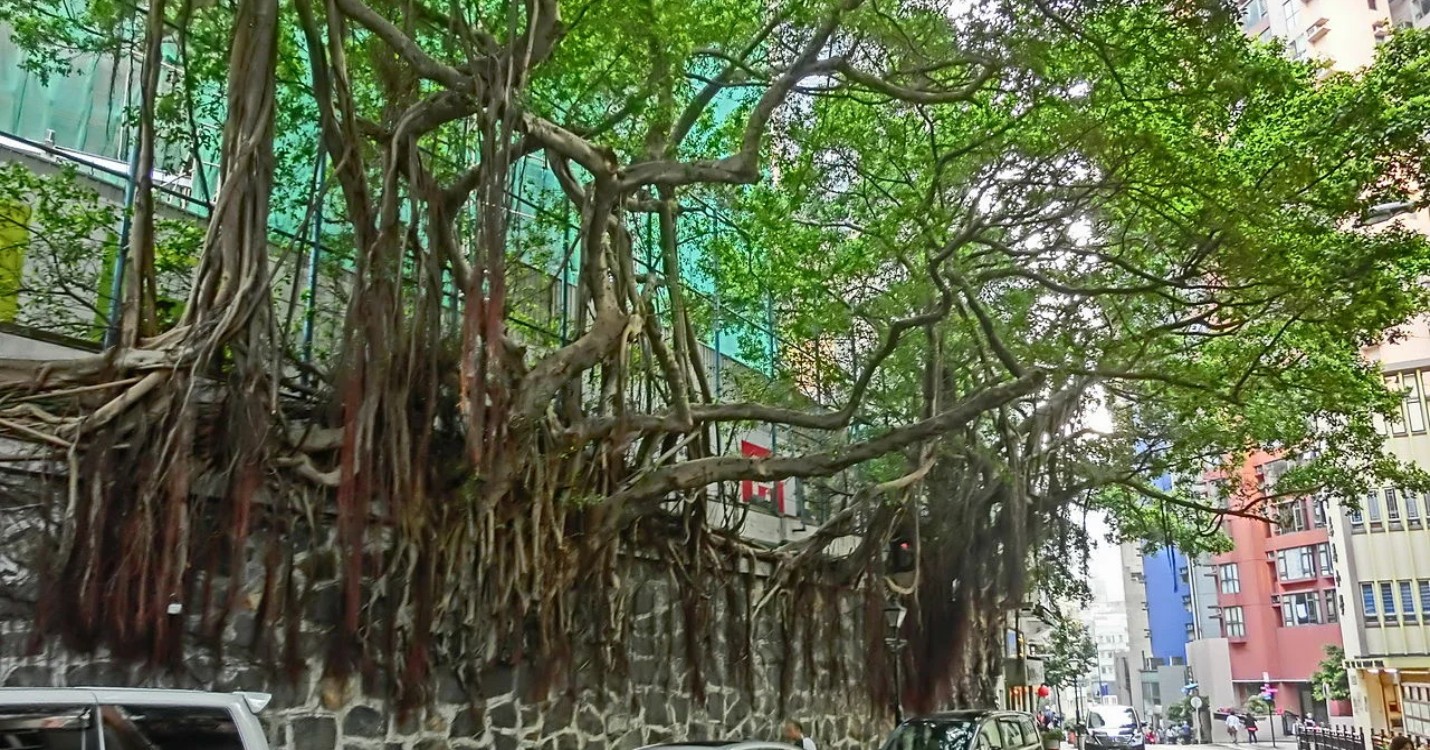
(1330, 738)
(1349, 738)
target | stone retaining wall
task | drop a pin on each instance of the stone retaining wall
(649, 701)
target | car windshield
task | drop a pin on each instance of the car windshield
(1113, 718)
(949, 734)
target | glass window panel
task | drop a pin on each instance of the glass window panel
(1387, 598)
(1367, 597)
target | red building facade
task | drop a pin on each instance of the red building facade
(1276, 590)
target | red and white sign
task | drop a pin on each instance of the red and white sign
(767, 492)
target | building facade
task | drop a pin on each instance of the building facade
(1380, 552)
(1382, 555)
(1277, 593)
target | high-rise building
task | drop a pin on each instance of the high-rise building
(1382, 559)
(1277, 594)
(1381, 552)
(1132, 668)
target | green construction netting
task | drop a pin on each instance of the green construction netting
(84, 112)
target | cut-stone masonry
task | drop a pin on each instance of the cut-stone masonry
(649, 701)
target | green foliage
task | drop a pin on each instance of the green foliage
(1071, 653)
(1331, 672)
(1044, 213)
(1257, 706)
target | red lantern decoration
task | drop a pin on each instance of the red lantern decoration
(1043, 691)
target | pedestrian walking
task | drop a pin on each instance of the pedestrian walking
(794, 732)
(1250, 728)
(1233, 727)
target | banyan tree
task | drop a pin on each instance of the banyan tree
(488, 295)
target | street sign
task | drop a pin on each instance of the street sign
(1197, 702)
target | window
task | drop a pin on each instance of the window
(1414, 409)
(1299, 563)
(1367, 599)
(1412, 504)
(1397, 422)
(1301, 609)
(1407, 598)
(1230, 580)
(1192, 629)
(1235, 620)
(1356, 518)
(1392, 505)
(1318, 513)
(989, 738)
(1253, 13)
(1332, 611)
(1387, 599)
(1372, 506)
(1012, 734)
(1323, 556)
(1425, 597)
(1291, 516)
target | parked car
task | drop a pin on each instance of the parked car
(968, 730)
(130, 719)
(722, 745)
(1113, 728)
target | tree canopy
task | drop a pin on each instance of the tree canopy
(949, 244)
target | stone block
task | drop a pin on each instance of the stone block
(97, 674)
(449, 687)
(315, 733)
(499, 680)
(362, 721)
(31, 676)
(408, 723)
(431, 744)
(628, 741)
(469, 722)
(590, 721)
(504, 741)
(504, 716)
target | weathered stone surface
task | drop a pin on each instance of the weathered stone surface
(641, 697)
(97, 674)
(499, 680)
(467, 723)
(315, 733)
(363, 721)
(504, 716)
(30, 676)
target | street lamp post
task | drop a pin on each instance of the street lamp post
(894, 620)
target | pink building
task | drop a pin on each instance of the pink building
(1276, 591)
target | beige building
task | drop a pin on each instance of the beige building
(1381, 553)
(1382, 561)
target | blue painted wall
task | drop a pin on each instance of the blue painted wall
(1167, 616)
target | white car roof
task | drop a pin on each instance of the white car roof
(250, 702)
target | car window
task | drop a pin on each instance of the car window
(1009, 731)
(168, 728)
(933, 735)
(1030, 731)
(49, 727)
(989, 737)
(1113, 718)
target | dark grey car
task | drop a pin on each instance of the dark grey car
(1114, 728)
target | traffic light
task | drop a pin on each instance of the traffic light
(901, 555)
